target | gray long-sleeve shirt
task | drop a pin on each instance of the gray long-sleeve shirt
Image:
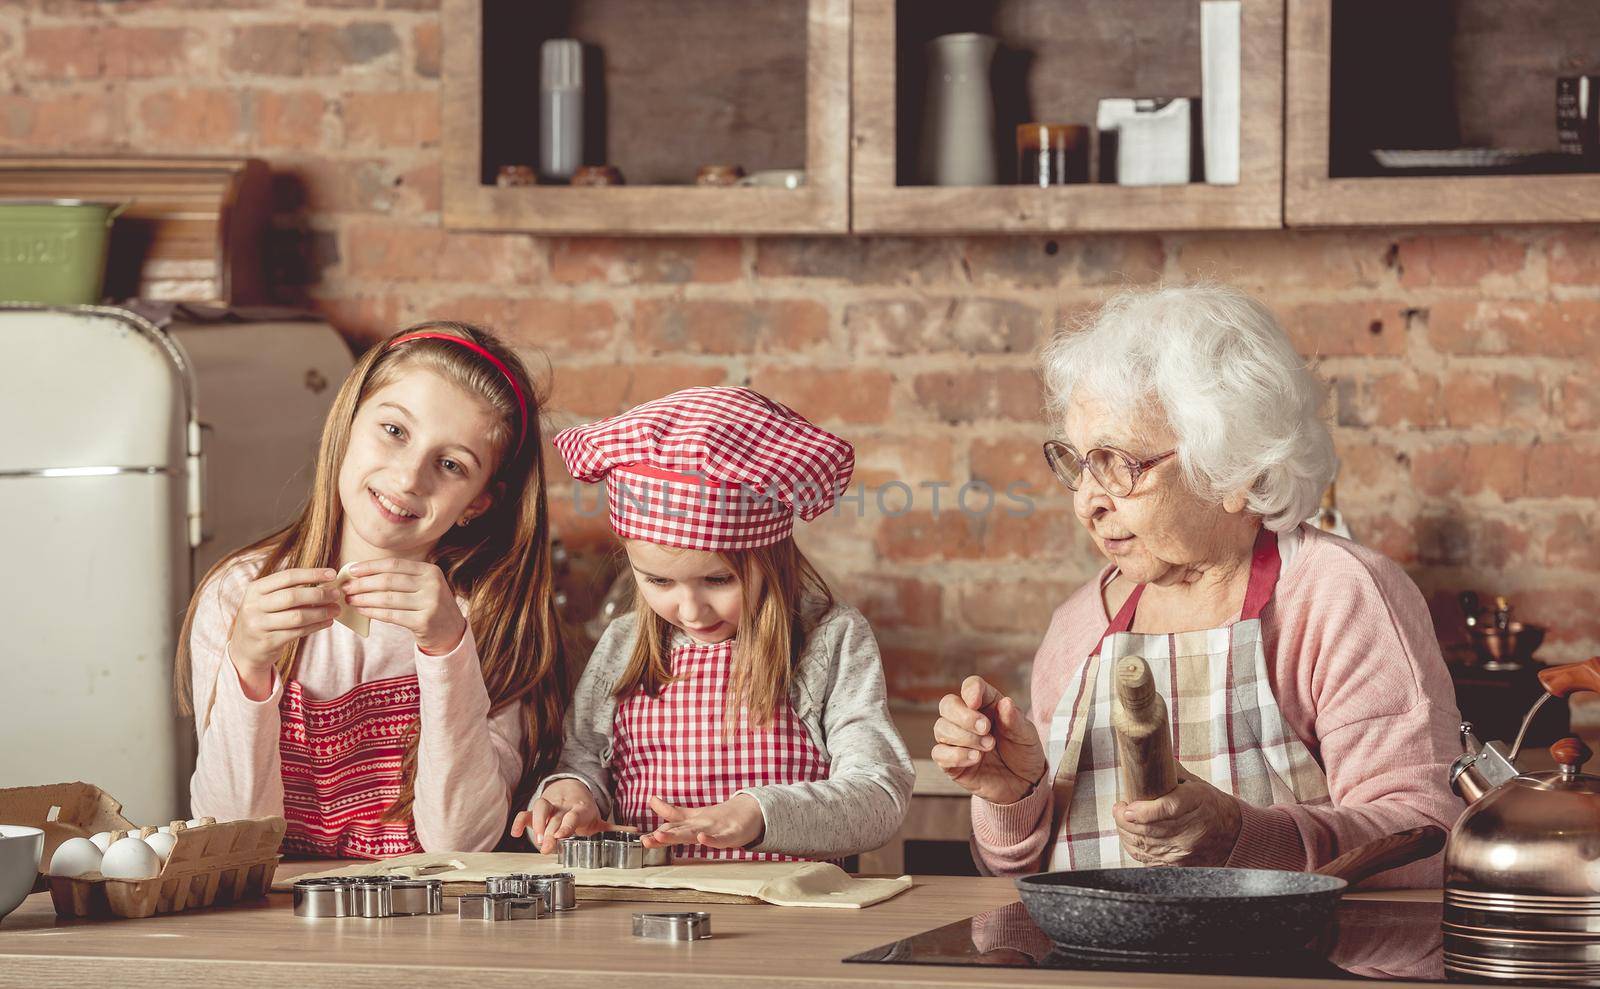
(838, 693)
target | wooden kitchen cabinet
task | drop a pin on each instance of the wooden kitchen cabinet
(685, 84)
(1077, 51)
(836, 86)
(1430, 73)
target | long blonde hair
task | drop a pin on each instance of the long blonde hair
(773, 625)
(500, 563)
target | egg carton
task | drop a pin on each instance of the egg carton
(210, 864)
(61, 811)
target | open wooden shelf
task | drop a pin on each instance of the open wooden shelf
(1490, 112)
(836, 84)
(760, 85)
(1156, 51)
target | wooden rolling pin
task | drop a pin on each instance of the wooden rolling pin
(1144, 739)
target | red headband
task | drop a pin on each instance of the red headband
(481, 351)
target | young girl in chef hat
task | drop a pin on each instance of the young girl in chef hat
(740, 711)
(430, 709)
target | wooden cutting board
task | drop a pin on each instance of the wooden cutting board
(803, 884)
(503, 862)
(639, 894)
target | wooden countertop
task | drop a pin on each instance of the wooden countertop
(264, 944)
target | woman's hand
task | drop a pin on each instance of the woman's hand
(278, 609)
(986, 744)
(414, 596)
(1195, 824)
(565, 808)
(734, 823)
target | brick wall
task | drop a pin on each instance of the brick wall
(1465, 363)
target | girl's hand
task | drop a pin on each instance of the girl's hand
(278, 609)
(734, 823)
(1195, 824)
(414, 596)
(986, 744)
(564, 809)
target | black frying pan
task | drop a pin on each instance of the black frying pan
(1197, 912)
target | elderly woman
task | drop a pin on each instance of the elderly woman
(1310, 708)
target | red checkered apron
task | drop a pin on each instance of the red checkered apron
(672, 746)
(342, 768)
(1226, 725)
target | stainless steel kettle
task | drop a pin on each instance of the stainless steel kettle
(1522, 865)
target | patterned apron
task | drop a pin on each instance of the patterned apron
(672, 746)
(1226, 725)
(342, 769)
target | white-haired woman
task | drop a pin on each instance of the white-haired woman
(1311, 710)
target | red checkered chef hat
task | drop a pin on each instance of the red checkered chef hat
(710, 468)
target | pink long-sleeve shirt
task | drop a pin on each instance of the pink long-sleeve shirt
(468, 762)
(1356, 668)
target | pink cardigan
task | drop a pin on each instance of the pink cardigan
(1356, 668)
(468, 762)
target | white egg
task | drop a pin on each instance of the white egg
(130, 858)
(162, 843)
(75, 857)
(164, 829)
(101, 839)
(195, 823)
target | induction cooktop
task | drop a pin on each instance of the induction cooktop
(1372, 939)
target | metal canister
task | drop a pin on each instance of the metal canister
(373, 899)
(559, 890)
(692, 925)
(416, 897)
(320, 899)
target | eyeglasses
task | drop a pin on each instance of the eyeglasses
(1115, 470)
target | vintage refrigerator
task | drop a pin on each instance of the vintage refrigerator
(132, 457)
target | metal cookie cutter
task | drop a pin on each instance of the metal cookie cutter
(689, 926)
(611, 850)
(373, 899)
(416, 897)
(320, 899)
(500, 906)
(559, 890)
(511, 883)
(625, 850)
(582, 852)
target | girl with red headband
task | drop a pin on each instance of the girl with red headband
(434, 703)
(740, 712)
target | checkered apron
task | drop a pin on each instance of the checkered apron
(1226, 725)
(672, 746)
(342, 768)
